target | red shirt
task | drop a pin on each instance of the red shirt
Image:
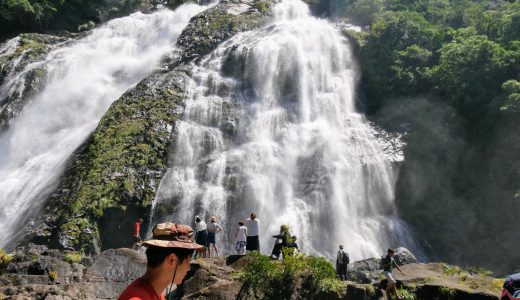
(140, 289)
(137, 228)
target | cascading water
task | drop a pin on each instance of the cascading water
(82, 80)
(270, 127)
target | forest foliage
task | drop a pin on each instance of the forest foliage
(17, 16)
(460, 182)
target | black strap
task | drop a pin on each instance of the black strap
(171, 284)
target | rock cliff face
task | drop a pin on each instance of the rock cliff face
(39, 273)
(112, 178)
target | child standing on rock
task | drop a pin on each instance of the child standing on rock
(240, 238)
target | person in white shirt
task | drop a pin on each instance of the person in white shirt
(240, 238)
(253, 225)
(201, 235)
(213, 228)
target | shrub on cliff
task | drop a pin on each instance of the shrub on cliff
(267, 278)
(5, 259)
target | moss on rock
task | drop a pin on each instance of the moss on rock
(5, 259)
(210, 28)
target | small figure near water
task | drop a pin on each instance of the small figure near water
(136, 234)
(283, 240)
(168, 260)
(253, 225)
(201, 235)
(342, 260)
(387, 264)
(241, 238)
(213, 228)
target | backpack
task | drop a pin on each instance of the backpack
(344, 258)
(383, 262)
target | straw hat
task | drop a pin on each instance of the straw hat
(171, 235)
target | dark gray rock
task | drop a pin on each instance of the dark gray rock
(118, 265)
(403, 256)
(367, 270)
(213, 26)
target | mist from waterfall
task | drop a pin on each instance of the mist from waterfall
(82, 80)
(270, 127)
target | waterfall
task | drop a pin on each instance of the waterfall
(270, 127)
(82, 80)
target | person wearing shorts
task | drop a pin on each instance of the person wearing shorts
(213, 228)
(241, 238)
(388, 267)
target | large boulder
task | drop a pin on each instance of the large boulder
(368, 271)
(40, 273)
(441, 281)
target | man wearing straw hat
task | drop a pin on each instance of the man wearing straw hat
(168, 260)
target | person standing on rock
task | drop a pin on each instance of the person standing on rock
(241, 238)
(253, 225)
(388, 263)
(168, 257)
(342, 260)
(201, 235)
(136, 235)
(213, 229)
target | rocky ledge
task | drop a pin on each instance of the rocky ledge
(36, 272)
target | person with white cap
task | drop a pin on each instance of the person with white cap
(168, 256)
(342, 260)
(213, 228)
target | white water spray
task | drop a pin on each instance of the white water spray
(83, 79)
(270, 127)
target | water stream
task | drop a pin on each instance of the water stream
(82, 80)
(270, 127)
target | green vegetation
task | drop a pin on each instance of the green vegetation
(131, 141)
(479, 271)
(48, 15)
(371, 290)
(447, 292)
(405, 294)
(5, 259)
(451, 270)
(72, 257)
(53, 276)
(277, 279)
(30, 45)
(262, 6)
(497, 284)
(209, 29)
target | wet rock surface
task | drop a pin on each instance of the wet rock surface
(23, 58)
(213, 26)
